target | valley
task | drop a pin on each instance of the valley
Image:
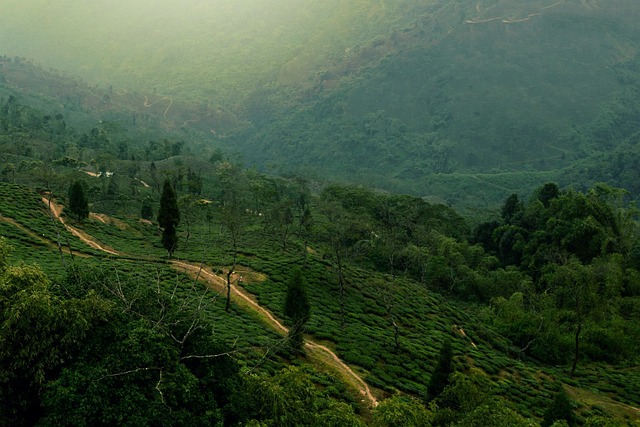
(340, 213)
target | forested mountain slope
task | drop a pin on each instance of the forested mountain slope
(498, 321)
(391, 281)
(517, 304)
(489, 88)
(417, 97)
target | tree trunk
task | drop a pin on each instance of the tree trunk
(341, 286)
(577, 348)
(228, 303)
(396, 333)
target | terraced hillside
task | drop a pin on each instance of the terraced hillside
(391, 331)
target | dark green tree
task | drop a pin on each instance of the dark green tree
(160, 351)
(39, 333)
(169, 217)
(440, 377)
(401, 411)
(78, 203)
(343, 232)
(233, 196)
(297, 308)
(483, 234)
(576, 288)
(548, 192)
(512, 209)
(194, 182)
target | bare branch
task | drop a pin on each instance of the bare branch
(160, 391)
(270, 350)
(523, 349)
(131, 371)
(209, 356)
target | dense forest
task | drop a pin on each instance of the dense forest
(285, 213)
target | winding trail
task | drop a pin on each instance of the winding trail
(56, 210)
(219, 283)
(508, 20)
(166, 98)
(197, 272)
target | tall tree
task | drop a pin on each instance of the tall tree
(233, 196)
(187, 203)
(146, 211)
(305, 230)
(282, 212)
(512, 209)
(78, 203)
(575, 289)
(153, 173)
(343, 233)
(297, 308)
(548, 192)
(169, 217)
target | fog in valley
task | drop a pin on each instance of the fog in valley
(320, 213)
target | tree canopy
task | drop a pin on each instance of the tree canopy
(297, 308)
(78, 203)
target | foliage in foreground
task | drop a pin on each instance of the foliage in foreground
(94, 349)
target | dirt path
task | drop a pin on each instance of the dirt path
(219, 283)
(166, 98)
(56, 210)
(348, 374)
(511, 19)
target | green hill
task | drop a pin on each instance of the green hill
(460, 284)
(464, 92)
(382, 93)
(389, 278)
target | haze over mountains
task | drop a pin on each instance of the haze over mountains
(416, 97)
(175, 192)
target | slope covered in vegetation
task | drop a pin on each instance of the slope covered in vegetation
(427, 98)
(531, 302)
(520, 308)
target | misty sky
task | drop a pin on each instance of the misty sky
(131, 41)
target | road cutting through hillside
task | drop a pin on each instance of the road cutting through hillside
(166, 98)
(217, 282)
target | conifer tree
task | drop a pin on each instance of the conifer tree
(297, 308)
(169, 217)
(78, 203)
